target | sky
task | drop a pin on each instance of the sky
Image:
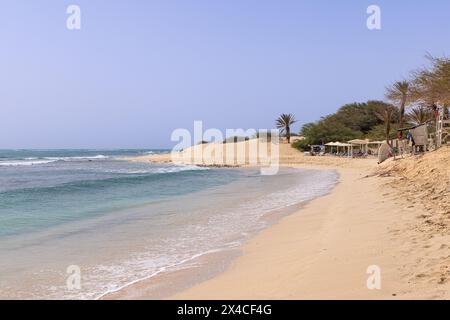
(137, 70)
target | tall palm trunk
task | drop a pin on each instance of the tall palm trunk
(385, 114)
(399, 93)
(388, 131)
(402, 112)
(288, 134)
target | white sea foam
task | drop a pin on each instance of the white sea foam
(180, 168)
(169, 169)
(167, 267)
(236, 217)
(30, 161)
(198, 239)
(97, 157)
(24, 162)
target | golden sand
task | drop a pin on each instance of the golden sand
(394, 216)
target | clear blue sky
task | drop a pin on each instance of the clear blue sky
(139, 69)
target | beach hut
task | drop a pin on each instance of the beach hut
(344, 146)
(331, 145)
(347, 146)
(362, 144)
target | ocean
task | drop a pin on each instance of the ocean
(118, 221)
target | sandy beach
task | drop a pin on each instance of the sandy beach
(393, 216)
(225, 150)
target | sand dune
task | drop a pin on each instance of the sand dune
(253, 152)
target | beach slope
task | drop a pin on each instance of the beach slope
(393, 218)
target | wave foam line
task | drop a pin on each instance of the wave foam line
(24, 163)
(161, 270)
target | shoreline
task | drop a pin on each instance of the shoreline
(216, 285)
(202, 267)
(292, 250)
(323, 251)
(385, 216)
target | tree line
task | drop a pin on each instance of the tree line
(408, 102)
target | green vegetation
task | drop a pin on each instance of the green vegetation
(284, 123)
(399, 94)
(386, 113)
(352, 121)
(411, 102)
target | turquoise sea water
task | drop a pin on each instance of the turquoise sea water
(121, 221)
(72, 184)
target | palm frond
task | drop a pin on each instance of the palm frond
(284, 123)
(419, 115)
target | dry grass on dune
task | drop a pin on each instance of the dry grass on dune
(424, 180)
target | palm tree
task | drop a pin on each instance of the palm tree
(284, 123)
(386, 114)
(419, 115)
(399, 93)
(431, 86)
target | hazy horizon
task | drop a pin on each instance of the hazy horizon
(136, 71)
